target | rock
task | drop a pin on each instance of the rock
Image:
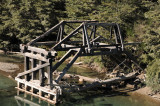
(10, 76)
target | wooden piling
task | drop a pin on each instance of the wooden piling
(26, 66)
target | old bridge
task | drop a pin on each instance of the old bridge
(77, 38)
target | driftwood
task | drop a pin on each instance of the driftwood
(93, 82)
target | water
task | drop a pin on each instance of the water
(7, 91)
(89, 98)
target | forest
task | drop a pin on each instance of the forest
(139, 20)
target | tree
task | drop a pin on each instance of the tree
(7, 30)
(23, 20)
(151, 39)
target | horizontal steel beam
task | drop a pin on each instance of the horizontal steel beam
(101, 24)
(77, 21)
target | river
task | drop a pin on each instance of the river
(89, 98)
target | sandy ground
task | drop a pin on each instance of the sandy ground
(1, 51)
(146, 91)
(8, 67)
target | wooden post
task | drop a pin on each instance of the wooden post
(33, 65)
(25, 88)
(40, 94)
(49, 70)
(55, 98)
(32, 89)
(18, 86)
(31, 97)
(26, 67)
(41, 74)
(49, 96)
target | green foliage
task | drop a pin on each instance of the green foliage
(79, 9)
(151, 39)
(23, 20)
(153, 75)
(61, 54)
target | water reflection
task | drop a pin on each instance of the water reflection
(68, 100)
(28, 100)
(22, 101)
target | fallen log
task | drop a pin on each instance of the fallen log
(81, 78)
(97, 82)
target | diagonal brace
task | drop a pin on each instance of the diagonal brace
(33, 69)
(67, 37)
(69, 65)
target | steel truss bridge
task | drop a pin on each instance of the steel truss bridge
(77, 38)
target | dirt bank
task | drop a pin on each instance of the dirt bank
(146, 91)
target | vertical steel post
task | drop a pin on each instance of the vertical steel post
(62, 31)
(87, 39)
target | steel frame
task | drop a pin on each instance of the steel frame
(36, 59)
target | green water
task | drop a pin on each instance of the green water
(90, 98)
(7, 91)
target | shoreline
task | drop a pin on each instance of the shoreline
(145, 91)
(142, 92)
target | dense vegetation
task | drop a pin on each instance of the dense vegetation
(23, 20)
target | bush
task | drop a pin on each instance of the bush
(153, 75)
